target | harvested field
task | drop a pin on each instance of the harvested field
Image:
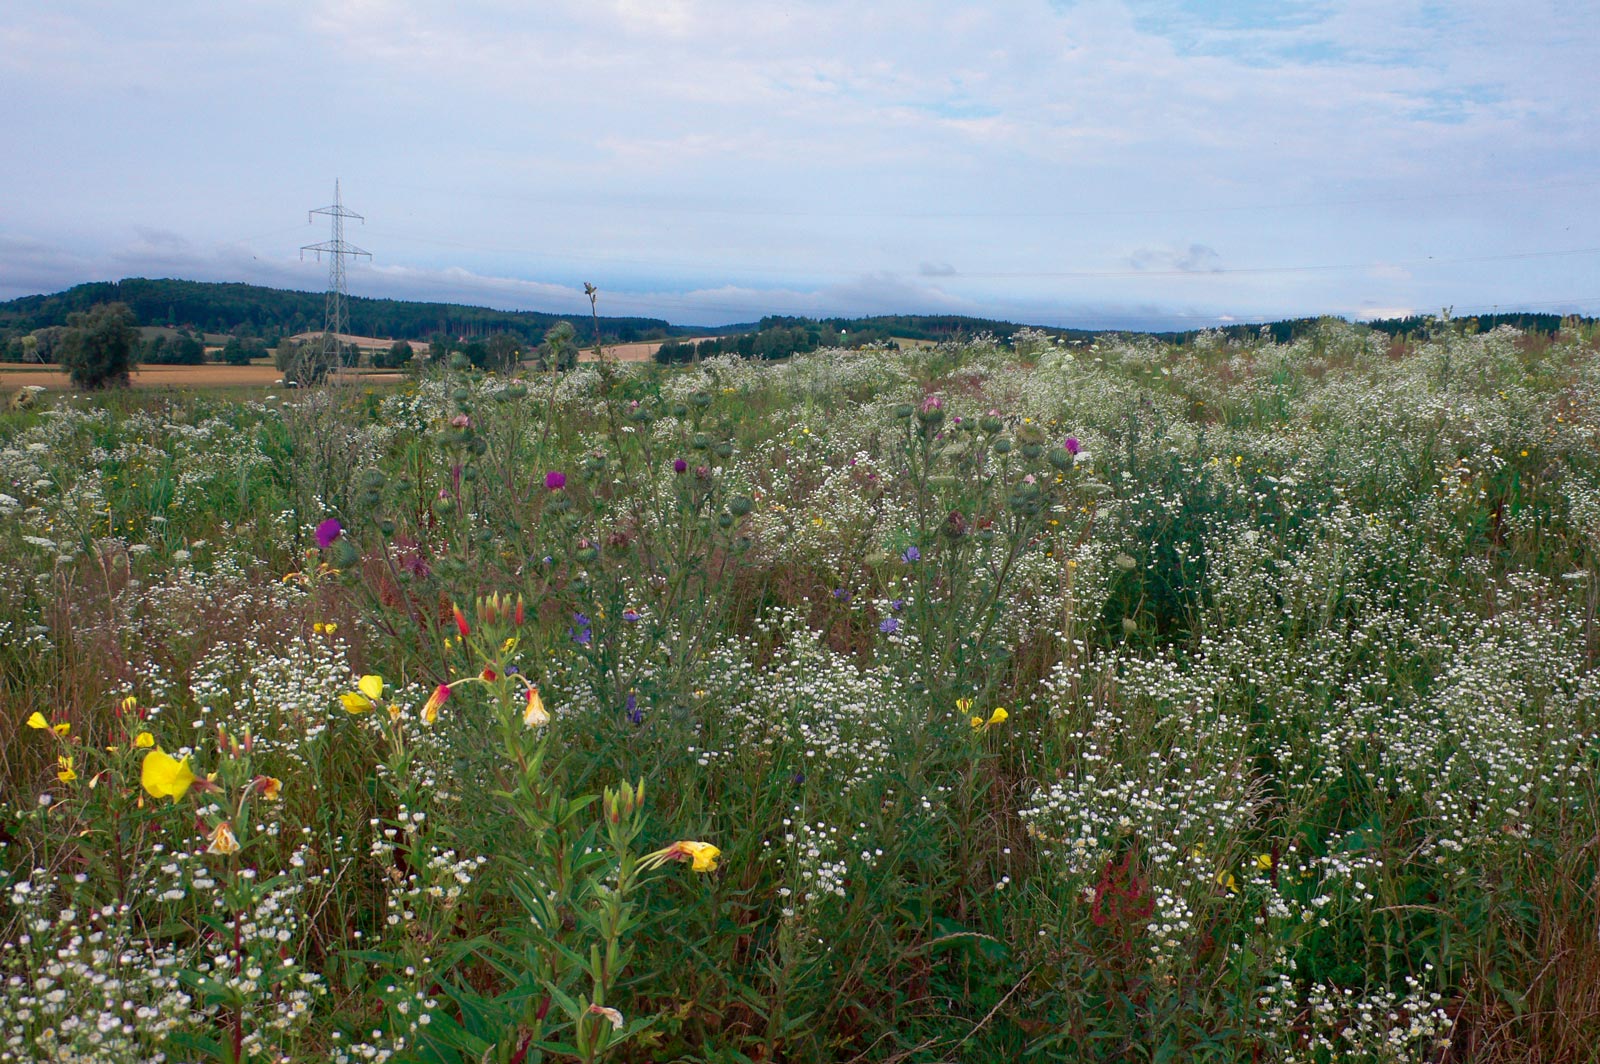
(210, 375)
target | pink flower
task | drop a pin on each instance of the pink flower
(327, 532)
(555, 481)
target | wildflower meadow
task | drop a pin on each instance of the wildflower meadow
(1113, 701)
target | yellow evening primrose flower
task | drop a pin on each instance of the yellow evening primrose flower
(223, 840)
(144, 740)
(1264, 861)
(535, 716)
(701, 855)
(365, 697)
(61, 729)
(64, 772)
(164, 776)
(37, 721)
(999, 716)
(1225, 880)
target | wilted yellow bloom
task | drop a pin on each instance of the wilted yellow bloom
(164, 776)
(535, 716)
(223, 840)
(271, 787)
(365, 698)
(64, 771)
(430, 710)
(144, 740)
(964, 705)
(130, 704)
(609, 1013)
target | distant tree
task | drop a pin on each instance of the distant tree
(398, 355)
(47, 342)
(301, 363)
(240, 350)
(438, 347)
(100, 348)
(503, 352)
(179, 349)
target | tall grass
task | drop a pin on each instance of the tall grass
(1104, 702)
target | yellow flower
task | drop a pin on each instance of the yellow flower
(999, 716)
(324, 627)
(964, 705)
(65, 773)
(164, 776)
(1264, 861)
(144, 740)
(38, 721)
(61, 729)
(365, 699)
(223, 840)
(1225, 880)
(130, 704)
(508, 646)
(702, 856)
(535, 716)
(271, 787)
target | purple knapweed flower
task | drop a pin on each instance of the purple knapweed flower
(555, 480)
(328, 531)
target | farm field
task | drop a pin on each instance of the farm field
(208, 375)
(1126, 701)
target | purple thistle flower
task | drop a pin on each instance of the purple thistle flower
(328, 531)
(911, 554)
(554, 480)
(1072, 445)
(680, 466)
(889, 625)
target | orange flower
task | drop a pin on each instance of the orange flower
(430, 711)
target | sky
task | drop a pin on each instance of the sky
(1104, 164)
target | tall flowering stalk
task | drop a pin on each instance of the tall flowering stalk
(578, 876)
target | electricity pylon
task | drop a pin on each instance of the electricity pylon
(335, 319)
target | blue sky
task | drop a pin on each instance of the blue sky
(1143, 163)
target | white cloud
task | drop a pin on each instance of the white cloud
(686, 146)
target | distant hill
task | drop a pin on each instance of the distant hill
(268, 312)
(224, 308)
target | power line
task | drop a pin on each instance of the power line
(335, 319)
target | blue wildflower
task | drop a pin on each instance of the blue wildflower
(889, 625)
(911, 554)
